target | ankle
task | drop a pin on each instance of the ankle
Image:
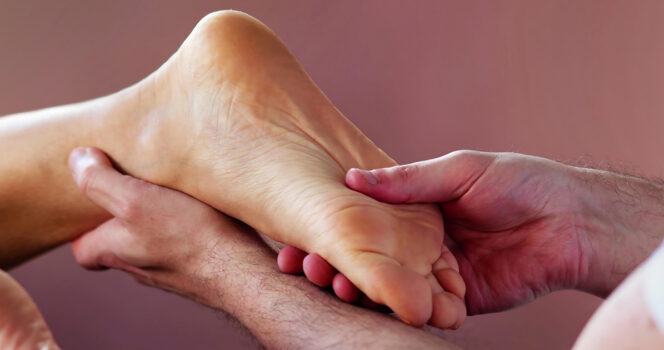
(135, 132)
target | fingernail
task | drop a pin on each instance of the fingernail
(369, 176)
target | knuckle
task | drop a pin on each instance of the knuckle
(130, 206)
(463, 154)
(476, 162)
(405, 173)
(128, 209)
(406, 176)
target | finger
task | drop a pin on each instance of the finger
(98, 248)
(100, 182)
(95, 246)
(345, 289)
(290, 260)
(436, 180)
(318, 270)
(449, 311)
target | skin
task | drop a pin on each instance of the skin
(522, 226)
(233, 120)
(21, 324)
(224, 265)
(623, 321)
(149, 248)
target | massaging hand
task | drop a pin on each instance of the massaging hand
(518, 225)
(21, 324)
(513, 218)
(160, 236)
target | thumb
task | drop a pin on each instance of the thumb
(121, 195)
(441, 179)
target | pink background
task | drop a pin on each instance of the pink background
(560, 79)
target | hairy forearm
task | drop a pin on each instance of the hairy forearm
(287, 312)
(625, 223)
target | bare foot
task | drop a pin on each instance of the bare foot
(241, 126)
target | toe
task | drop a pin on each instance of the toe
(407, 293)
(447, 256)
(345, 289)
(318, 271)
(449, 311)
(290, 260)
(451, 281)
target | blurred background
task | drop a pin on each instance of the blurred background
(559, 79)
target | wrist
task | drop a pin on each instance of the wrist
(624, 222)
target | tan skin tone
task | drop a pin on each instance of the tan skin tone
(522, 226)
(233, 120)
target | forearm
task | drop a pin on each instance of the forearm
(41, 207)
(287, 312)
(624, 222)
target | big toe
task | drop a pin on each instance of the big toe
(386, 282)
